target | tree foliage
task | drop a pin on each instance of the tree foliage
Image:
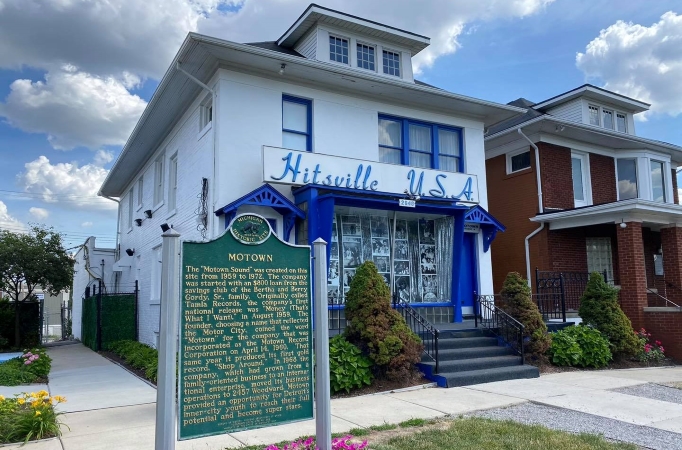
(518, 303)
(377, 328)
(31, 260)
(599, 308)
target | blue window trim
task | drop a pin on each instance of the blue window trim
(435, 144)
(309, 105)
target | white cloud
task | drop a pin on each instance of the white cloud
(86, 224)
(65, 183)
(102, 157)
(441, 20)
(74, 108)
(8, 222)
(639, 61)
(39, 213)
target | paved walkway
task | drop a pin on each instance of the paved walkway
(109, 408)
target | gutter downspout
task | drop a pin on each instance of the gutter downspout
(118, 223)
(540, 207)
(213, 132)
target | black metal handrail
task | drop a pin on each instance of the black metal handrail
(499, 322)
(651, 291)
(552, 306)
(421, 327)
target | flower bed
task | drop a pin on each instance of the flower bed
(33, 366)
(29, 416)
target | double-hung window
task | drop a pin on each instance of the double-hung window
(608, 118)
(158, 181)
(580, 179)
(391, 61)
(172, 182)
(594, 115)
(140, 192)
(130, 209)
(621, 123)
(338, 49)
(419, 144)
(627, 178)
(657, 181)
(297, 123)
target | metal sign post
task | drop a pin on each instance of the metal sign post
(170, 300)
(323, 420)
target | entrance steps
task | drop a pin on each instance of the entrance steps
(474, 356)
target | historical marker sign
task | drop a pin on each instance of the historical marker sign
(245, 332)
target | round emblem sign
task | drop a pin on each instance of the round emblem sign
(250, 229)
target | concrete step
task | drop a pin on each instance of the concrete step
(463, 365)
(471, 377)
(474, 332)
(467, 342)
(453, 354)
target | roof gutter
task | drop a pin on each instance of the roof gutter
(540, 207)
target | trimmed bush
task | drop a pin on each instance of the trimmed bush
(580, 346)
(348, 367)
(376, 328)
(599, 308)
(139, 356)
(518, 303)
(30, 367)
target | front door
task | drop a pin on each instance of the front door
(468, 282)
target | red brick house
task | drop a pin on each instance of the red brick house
(579, 192)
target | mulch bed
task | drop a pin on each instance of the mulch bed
(383, 385)
(547, 368)
(118, 360)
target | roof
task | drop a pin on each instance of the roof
(514, 121)
(201, 56)
(596, 93)
(272, 45)
(316, 14)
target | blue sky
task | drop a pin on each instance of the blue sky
(87, 74)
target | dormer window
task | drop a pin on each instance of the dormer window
(366, 56)
(621, 122)
(391, 63)
(608, 118)
(594, 115)
(338, 49)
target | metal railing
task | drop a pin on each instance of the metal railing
(552, 306)
(421, 327)
(490, 316)
(651, 291)
(569, 284)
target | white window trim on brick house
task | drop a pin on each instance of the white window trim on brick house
(586, 178)
(643, 164)
(511, 154)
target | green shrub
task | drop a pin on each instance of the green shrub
(37, 362)
(12, 373)
(139, 356)
(29, 416)
(599, 308)
(580, 346)
(348, 367)
(518, 303)
(376, 328)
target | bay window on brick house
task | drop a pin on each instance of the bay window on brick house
(595, 197)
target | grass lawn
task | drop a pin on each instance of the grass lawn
(486, 434)
(471, 434)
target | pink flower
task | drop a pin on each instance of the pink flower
(647, 349)
(661, 349)
(658, 343)
(27, 362)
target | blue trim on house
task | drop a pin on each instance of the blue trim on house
(435, 141)
(309, 124)
(265, 195)
(489, 224)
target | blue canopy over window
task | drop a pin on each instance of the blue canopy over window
(489, 225)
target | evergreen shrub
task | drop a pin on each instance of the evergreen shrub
(599, 308)
(376, 328)
(518, 303)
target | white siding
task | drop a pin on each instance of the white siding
(307, 46)
(569, 111)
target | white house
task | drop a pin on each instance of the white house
(92, 264)
(326, 133)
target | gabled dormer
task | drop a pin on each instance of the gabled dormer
(595, 106)
(337, 38)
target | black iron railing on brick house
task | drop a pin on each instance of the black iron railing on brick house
(426, 331)
(490, 316)
(569, 286)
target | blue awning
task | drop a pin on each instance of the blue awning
(265, 195)
(489, 224)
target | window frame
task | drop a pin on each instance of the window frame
(637, 176)
(159, 181)
(309, 105)
(131, 204)
(510, 155)
(589, 116)
(205, 115)
(348, 42)
(598, 240)
(172, 183)
(140, 192)
(604, 111)
(664, 180)
(614, 117)
(586, 179)
(435, 142)
(359, 43)
(625, 122)
(400, 62)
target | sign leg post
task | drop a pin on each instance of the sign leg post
(323, 421)
(166, 411)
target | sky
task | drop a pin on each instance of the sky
(75, 75)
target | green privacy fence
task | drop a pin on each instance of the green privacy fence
(30, 318)
(108, 317)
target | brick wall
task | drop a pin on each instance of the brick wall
(512, 200)
(633, 296)
(667, 328)
(603, 175)
(556, 173)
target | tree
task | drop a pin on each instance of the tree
(29, 260)
(518, 303)
(599, 308)
(377, 328)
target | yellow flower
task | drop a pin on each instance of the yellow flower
(59, 399)
(21, 401)
(37, 413)
(2, 398)
(42, 393)
(36, 403)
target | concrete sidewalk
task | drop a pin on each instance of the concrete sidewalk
(109, 408)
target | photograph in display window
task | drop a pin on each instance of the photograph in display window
(401, 229)
(426, 232)
(352, 252)
(402, 287)
(379, 226)
(348, 275)
(383, 263)
(380, 247)
(401, 250)
(333, 277)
